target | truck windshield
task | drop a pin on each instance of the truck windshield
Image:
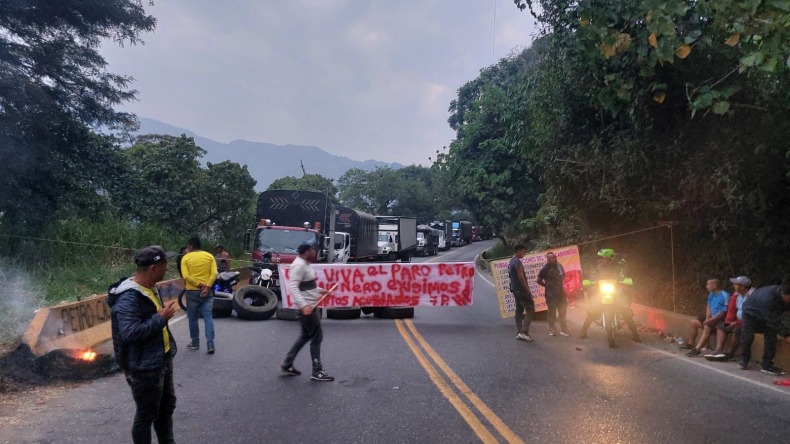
(384, 238)
(339, 241)
(420, 235)
(281, 241)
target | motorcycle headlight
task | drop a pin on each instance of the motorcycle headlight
(266, 274)
(606, 288)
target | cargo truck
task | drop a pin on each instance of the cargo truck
(356, 236)
(397, 238)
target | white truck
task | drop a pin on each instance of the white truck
(397, 238)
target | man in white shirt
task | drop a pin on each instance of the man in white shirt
(306, 294)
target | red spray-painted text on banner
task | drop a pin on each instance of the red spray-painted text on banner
(391, 284)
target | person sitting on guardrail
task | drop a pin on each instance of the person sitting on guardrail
(762, 313)
(143, 345)
(714, 315)
(732, 320)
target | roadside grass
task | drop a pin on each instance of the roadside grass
(499, 251)
(74, 259)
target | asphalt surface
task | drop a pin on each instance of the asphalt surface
(461, 378)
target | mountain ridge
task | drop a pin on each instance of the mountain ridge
(288, 159)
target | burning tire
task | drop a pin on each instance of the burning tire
(254, 302)
(394, 312)
(343, 313)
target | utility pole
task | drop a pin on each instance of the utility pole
(669, 224)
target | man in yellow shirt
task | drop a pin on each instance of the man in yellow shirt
(199, 270)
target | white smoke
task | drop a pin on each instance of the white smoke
(19, 299)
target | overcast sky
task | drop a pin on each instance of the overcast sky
(362, 79)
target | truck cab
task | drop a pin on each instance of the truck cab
(342, 247)
(388, 245)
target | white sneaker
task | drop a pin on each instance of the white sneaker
(562, 333)
(523, 337)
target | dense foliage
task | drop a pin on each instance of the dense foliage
(626, 114)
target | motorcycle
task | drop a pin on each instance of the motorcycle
(612, 300)
(263, 277)
(223, 294)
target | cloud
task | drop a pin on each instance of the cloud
(359, 79)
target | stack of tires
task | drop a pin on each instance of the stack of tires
(222, 306)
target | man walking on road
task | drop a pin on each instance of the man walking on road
(306, 294)
(520, 289)
(551, 277)
(199, 270)
(143, 345)
(762, 313)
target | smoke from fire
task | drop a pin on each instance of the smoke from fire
(19, 298)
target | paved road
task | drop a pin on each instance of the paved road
(453, 375)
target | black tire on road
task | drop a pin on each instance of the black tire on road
(609, 327)
(286, 314)
(223, 305)
(182, 301)
(394, 312)
(254, 302)
(368, 310)
(343, 313)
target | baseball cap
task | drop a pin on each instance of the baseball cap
(151, 255)
(306, 245)
(743, 280)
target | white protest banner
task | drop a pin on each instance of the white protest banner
(568, 257)
(391, 284)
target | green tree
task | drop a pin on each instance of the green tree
(54, 86)
(308, 182)
(384, 191)
(481, 171)
(164, 182)
(227, 202)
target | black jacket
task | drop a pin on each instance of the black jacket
(137, 328)
(767, 305)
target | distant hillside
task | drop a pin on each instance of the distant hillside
(267, 162)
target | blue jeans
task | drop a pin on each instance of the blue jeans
(198, 306)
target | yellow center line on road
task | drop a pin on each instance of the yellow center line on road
(477, 426)
(492, 418)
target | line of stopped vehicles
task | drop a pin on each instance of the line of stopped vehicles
(287, 218)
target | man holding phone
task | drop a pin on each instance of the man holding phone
(143, 345)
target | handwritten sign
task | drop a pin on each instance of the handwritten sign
(568, 257)
(391, 284)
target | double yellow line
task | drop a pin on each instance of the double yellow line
(410, 335)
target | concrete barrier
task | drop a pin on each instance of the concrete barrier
(678, 325)
(86, 324)
(80, 325)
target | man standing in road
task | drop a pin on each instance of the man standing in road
(223, 259)
(143, 345)
(520, 289)
(199, 270)
(551, 277)
(762, 313)
(306, 294)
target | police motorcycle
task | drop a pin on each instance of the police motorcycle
(610, 298)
